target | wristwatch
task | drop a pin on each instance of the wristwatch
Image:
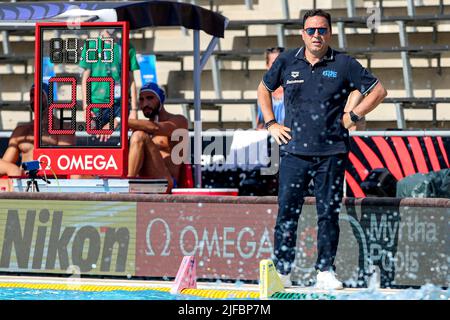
(354, 117)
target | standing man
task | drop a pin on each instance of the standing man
(317, 81)
(277, 95)
(150, 144)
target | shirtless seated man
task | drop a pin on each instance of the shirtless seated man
(21, 142)
(150, 144)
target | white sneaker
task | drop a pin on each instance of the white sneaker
(327, 280)
(285, 280)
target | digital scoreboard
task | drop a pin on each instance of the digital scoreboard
(80, 124)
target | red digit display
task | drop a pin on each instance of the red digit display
(90, 106)
(54, 105)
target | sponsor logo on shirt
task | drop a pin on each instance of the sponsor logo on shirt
(330, 74)
(295, 81)
(295, 74)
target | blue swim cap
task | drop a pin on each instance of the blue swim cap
(153, 87)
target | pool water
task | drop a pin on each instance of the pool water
(426, 292)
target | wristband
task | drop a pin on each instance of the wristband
(117, 119)
(269, 123)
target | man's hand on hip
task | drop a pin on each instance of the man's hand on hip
(280, 133)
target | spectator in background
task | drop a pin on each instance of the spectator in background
(150, 144)
(100, 90)
(277, 96)
(21, 142)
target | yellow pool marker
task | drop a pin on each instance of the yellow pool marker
(82, 287)
(269, 281)
(221, 294)
(204, 293)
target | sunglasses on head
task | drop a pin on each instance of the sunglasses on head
(274, 49)
(312, 31)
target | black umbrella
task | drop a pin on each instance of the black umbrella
(139, 14)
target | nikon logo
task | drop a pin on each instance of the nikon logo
(79, 246)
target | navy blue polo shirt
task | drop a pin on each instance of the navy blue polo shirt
(315, 97)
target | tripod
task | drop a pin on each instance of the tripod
(32, 183)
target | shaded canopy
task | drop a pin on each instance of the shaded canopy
(139, 14)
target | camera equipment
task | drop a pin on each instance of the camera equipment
(31, 169)
(30, 165)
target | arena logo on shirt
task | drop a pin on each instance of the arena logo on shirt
(330, 74)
